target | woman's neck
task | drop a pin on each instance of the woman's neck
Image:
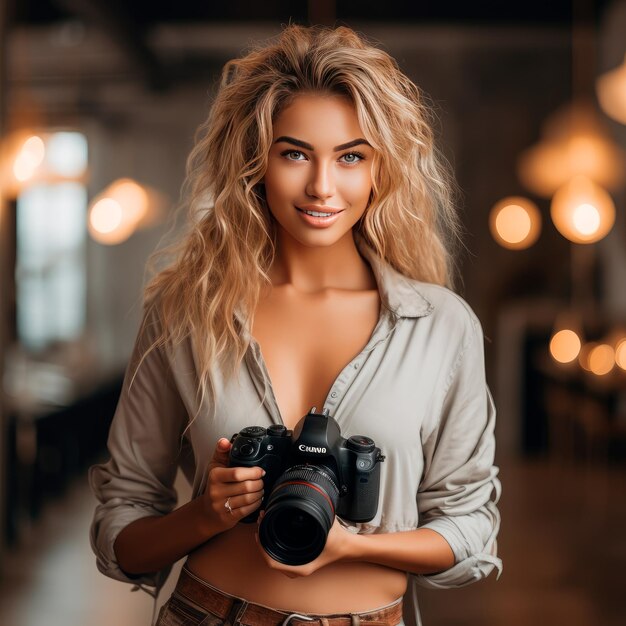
(315, 269)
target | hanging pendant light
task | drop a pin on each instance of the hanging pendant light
(601, 359)
(515, 222)
(567, 337)
(119, 210)
(575, 142)
(29, 158)
(611, 91)
(565, 346)
(582, 211)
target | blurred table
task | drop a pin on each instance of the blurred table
(56, 426)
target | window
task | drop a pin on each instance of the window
(51, 239)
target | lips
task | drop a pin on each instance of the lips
(319, 209)
(316, 216)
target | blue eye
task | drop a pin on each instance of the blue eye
(358, 155)
(290, 152)
(348, 158)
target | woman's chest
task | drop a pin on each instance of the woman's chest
(384, 392)
(306, 342)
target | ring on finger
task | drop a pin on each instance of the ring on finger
(227, 506)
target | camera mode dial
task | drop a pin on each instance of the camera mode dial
(278, 430)
(360, 443)
(253, 431)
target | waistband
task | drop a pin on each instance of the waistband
(246, 613)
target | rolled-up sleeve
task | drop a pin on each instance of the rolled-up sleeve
(145, 442)
(459, 490)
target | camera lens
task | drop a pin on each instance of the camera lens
(299, 514)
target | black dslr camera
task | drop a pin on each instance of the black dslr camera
(312, 474)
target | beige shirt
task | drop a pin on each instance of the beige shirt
(417, 388)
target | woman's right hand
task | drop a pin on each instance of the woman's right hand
(241, 487)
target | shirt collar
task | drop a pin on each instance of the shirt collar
(399, 294)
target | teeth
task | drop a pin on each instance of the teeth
(317, 214)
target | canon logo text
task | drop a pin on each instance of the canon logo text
(304, 448)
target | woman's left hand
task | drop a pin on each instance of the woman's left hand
(337, 548)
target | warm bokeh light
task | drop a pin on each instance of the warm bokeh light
(601, 359)
(515, 222)
(118, 211)
(586, 219)
(106, 215)
(565, 346)
(107, 223)
(620, 354)
(582, 211)
(585, 352)
(575, 142)
(29, 158)
(131, 196)
(611, 90)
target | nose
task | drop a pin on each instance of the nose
(322, 182)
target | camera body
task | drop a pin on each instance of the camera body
(316, 440)
(312, 474)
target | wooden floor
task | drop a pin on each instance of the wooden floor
(563, 542)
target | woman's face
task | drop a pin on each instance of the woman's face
(319, 172)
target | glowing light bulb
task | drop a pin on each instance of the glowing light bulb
(586, 219)
(611, 90)
(106, 215)
(118, 211)
(601, 359)
(107, 224)
(131, 196)
(565, 346)
(515, 223)
(29, 158)
(575, 141)
(582, 211)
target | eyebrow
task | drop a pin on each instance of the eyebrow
(308, 146)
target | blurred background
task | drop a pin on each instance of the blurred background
(99, 102)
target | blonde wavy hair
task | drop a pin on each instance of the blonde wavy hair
(210, 290)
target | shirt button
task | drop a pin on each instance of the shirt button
(333, 394)
(356, 366)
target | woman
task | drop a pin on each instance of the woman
(315, 273)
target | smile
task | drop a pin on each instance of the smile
(316, 213)
(319, 211)
(324, 217)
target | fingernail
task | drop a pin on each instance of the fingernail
(263, 473)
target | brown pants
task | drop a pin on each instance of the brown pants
(196, 603)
